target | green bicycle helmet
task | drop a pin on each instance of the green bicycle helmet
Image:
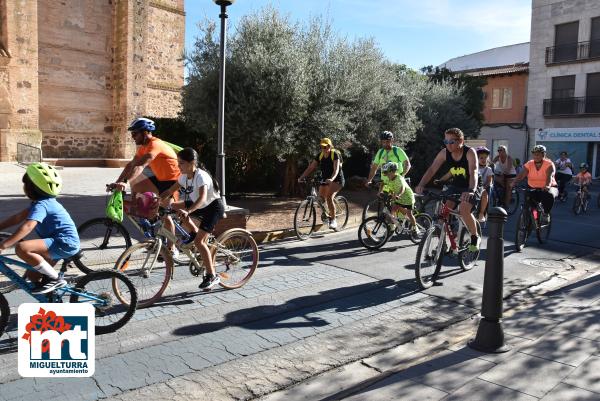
(45, 178)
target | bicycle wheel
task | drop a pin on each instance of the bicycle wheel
(102, 242)
(424, 221)
(523, 230)
(373, 233)
(4, 313)
(305, 219)
(236, 257)
(466, 258)
(373, 208)
(514, 202)
(577, 206)
(429, 257)
(6, 285)
(341, 212)
(110, 287)
(543, 231)
(149, 273)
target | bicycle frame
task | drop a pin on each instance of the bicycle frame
(28, 287)
(443, 213)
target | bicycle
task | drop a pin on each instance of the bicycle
(111, 287)
(235, 258)
(103, 240)
(375, 231)
(448, 223)
(530, 219)
(497, 199)
(580, 203)
(305, 216)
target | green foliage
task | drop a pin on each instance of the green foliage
(472, 88)
(290, 84)
(443, 106)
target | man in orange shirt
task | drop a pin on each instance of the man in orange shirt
(153, 153)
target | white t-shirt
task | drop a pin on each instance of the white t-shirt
(191, 187)
(561, 166)
(485, 172)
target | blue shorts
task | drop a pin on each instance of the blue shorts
(59, 249)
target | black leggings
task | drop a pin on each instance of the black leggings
(563, 180)
(546, 198)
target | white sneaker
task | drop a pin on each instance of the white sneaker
(333, 224)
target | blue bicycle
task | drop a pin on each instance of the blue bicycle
(111, 293)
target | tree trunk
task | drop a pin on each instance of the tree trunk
(290, 178)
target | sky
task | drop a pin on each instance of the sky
(412, 32)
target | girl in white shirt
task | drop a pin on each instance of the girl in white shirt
(201, 199)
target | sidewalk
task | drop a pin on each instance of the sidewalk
(555, 355)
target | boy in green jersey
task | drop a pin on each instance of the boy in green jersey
(403, 196)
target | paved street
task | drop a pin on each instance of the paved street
(312, 306)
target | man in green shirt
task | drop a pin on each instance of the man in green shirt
(388, 153)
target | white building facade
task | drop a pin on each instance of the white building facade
(563, 98)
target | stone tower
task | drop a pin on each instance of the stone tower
(73, 73)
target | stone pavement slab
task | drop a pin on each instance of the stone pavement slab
(587, 375)
(564, 392)
(479, 390)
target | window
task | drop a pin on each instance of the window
(595, 38)
(592, 94)
(563, 95)
(565, 41)
(502, 98)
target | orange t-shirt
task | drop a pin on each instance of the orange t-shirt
(164, 162)
(584, 178)
(537, 178)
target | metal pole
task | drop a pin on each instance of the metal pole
(490, 335)
(221, 128)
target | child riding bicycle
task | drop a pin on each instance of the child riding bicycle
(403, 196)
(584, 178)
(201, 199)
(52, 223)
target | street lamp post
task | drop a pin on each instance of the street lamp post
(221, 130)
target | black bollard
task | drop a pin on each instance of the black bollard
(490, 335)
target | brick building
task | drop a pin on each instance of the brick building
(73, 73)
(506, 71)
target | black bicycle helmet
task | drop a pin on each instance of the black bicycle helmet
(386, 135)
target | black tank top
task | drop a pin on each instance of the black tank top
(459, 169)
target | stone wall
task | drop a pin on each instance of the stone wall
(74, 73)
(19, 112)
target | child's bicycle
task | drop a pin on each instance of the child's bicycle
(375, 231)
(530, 218)
(305, 217)
(149, 264)
(580, 203)
(112, 295)
(448, 223)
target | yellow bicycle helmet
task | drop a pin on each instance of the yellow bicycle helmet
(45, 178)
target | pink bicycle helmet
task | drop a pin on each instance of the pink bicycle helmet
(146, 204)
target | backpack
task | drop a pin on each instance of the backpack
(332, 156)
(394, 148)
(176, 148)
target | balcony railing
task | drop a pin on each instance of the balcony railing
(573, 52)
(572, 106)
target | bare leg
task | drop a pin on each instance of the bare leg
(465, 212)
(484, 204)
(509, 183)
(202, 246)
(34, 252)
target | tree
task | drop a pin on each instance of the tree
(471, 86)
(289, 85)
(443, 106)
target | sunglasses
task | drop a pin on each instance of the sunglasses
(450, 141)
(324, 146)
(500, 150)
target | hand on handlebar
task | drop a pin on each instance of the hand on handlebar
(419, 190)
(465, 196)
(116, 186)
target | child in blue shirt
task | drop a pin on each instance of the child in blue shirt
(52, 223)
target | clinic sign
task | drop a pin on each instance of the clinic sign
(583, 134)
